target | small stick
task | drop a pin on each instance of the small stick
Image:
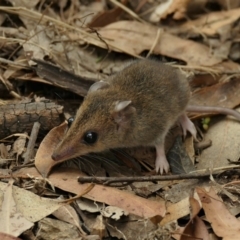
(110, 180)
(31, 143)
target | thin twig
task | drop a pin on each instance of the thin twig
(87, 190)
(11, 63)
(155, 42)
(31, 143)
(111, 180)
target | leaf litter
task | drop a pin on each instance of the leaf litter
(93, 40)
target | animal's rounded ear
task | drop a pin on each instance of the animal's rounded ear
(97, 86)
(122, 114)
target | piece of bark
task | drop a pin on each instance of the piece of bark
(18, 117)
(62, 78)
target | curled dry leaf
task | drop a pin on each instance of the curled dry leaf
(176, 211)
(224, 224)
(195, 227)
(43, 161)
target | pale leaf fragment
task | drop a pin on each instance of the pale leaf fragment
(31, 206)
(114, 212)
(99, 227)
(38, 45)
(89, 205)
(176, 7)
(19, 145)
(11, 219)
(3, 151)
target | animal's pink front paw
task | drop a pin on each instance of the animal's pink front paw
(161, 165)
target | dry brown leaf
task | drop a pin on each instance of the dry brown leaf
(106, 17)
(176, 211)
(67, 180)
(224, 94)
(223, 223)
(134, 37)
(195, 227)
(203, 80)
(86, 13)
(210, 24)
(138, 36)
(43, 160)
(49, 228)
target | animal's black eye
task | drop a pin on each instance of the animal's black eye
(90, 137)
(70, 121)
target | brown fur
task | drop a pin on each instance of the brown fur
(158, 92)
